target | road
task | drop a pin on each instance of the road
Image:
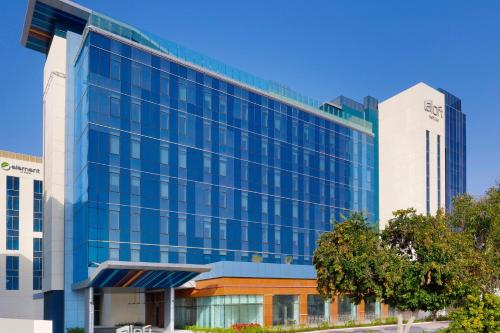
(429, 327)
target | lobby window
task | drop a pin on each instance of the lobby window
(182, 158)
(182, 225)
(223, 166)
(12, 273)
(114, 144)
(164, 189)
(135, 148)
(136, 75)
(164, 119)
(135, 112)
(12, 213)
(115, 67)
(37, 264)
(182, 93)
(114, 181)
(164, 85)
(114, 107)
(163, 155)
(135, 185)
(285, 309)
(37, 205)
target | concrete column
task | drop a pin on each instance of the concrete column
(89, 307)
(169, 310)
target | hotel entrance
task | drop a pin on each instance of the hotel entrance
(155, 308)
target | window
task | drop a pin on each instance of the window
(163, 119)
(135, 220)
(114, 144)
(115, 67)
(135, 112)
(223, 199)
(163, 223)
(164, 85)
(207, 163)
(12, 273)
(207, 101)
(277, 207)
(277, 235)
(182, 192)
(265, 207)
(222, 105)
(182, 158)
(182, 225)
(114, 220)
(114, 106)
(136, 75)
(37, 264)
(223, 166)
(37, 205)
(295, 238)
(207, 131)
(277, 178)
(12, 213)
(295, 210)
(182, 124)
(135, 185)
(164, 189)
(207, 228)
(182, 93)
(244, 232)
(135, 148)
(222, 135)
(114, 182)
(244, 142)
(244, 201)
(265, 235)
(163, 155)
(222, 229)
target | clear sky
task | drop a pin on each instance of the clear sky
(319, 48)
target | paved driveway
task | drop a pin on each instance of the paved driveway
(416, 328)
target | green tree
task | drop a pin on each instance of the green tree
(425, 273)
(348, 260)
(478, 222)
(481, 314)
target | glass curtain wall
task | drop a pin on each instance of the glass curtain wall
(219, 311)
(285, 310)
(347, 310)
(318, 310)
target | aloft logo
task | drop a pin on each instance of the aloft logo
(5, 166)
(132, 329)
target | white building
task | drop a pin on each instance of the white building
(21, 223)
(412, 151)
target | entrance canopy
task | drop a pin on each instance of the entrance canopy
(122, 274)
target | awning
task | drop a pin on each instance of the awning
(122, 274)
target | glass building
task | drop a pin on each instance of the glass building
(192, 190)
(455, 148)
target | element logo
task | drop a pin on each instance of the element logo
(131, 329)
(5, 166)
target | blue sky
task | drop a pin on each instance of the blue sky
(319, 48)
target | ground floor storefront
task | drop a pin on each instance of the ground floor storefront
(223, 302)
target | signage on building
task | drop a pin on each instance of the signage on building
(132, 329)
(6, 166)
(435, 112)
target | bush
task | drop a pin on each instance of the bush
(479, 315)
(246, 327)
(75, 330)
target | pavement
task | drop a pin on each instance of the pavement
(427, 327)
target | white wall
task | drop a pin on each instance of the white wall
(25, 325)
(54, 99)
(403, 121)
(19, 303)
(122, 307)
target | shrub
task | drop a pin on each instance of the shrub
(246, 327)
(75, 330)
(479, 315)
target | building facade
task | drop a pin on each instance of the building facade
(412, 162)
(455, 148)
(21, 225)
(165, 162)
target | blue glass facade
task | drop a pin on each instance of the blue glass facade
(455, 148)
(173, 164)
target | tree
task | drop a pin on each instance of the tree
(425, 273)
(480, 314)
(348, 260)
(412, 266)
(478, 221)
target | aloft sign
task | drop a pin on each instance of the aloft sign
(435, 112)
